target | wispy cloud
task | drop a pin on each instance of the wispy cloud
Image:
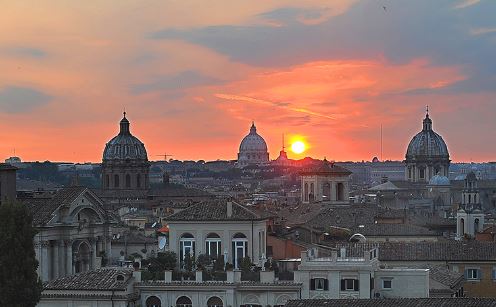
(466, 3)
(274, 104)
(481, 31)
(14, 99)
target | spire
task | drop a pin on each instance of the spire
(124, 125)
(283, 146)
(427, 121)
(253, 129)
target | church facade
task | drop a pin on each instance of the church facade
(74, 232)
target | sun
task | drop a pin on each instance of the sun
(298, 147)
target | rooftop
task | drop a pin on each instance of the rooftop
(401, 302)
(102, 279)
(215, 211)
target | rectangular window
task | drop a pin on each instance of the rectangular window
(387, 284)
(350, 285)
(319, 284)
(494, 273)
(472, 274)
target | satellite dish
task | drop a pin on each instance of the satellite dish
(162, 242)
(358, 237)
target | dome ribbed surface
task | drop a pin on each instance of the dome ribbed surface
(439, 180)
(125, 146)
(253, 142)
(427, 143)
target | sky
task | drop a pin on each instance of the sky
(193, 74)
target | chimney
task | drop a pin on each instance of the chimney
(229, 208)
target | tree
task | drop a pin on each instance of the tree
(20, 285)
(168, 260)
(245, 264)
(189, 262)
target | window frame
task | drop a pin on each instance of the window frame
(470, 277)
(384, 281)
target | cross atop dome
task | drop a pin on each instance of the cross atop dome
(253, 129)
(427, 126)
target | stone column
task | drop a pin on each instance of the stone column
(93, 253)
(68, 257)
(62, 260)
(45, 261)
(108, 249)
(55, 259)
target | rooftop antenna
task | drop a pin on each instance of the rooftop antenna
(381, 143)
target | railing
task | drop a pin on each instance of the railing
(214, 276)
(285, 275)
(250, 276)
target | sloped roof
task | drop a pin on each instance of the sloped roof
(42, 209)
(214, 211)
(326, 168)
(403, 302)
(428, 251)
(386, 186)
(102, 279)
(441, 274)
(394, 230)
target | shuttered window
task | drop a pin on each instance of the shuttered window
(319, 284)
(350, 285)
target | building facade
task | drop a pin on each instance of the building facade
(217, 229)
(327, 183)
(74, 232)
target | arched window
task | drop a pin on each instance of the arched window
(306, 191)
(184, 301)
(215, 301)
(138, 181)
(153, 301)
(186, 246)
(326, 191)
(213, 245)
(462, 227)
(239, 248)
(476, 226)
(107, 181)
(116, 181)
(128, 181)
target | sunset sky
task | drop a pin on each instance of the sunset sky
(193, 74)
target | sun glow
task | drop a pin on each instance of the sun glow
(298, 147)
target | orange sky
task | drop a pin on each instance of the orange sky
(193, 75)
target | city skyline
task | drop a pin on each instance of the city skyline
(192, 78)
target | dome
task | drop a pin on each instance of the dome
(439, 180)
(125, 146)
(427, 143)
(253, 142)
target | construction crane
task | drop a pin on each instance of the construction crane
(165, 155)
